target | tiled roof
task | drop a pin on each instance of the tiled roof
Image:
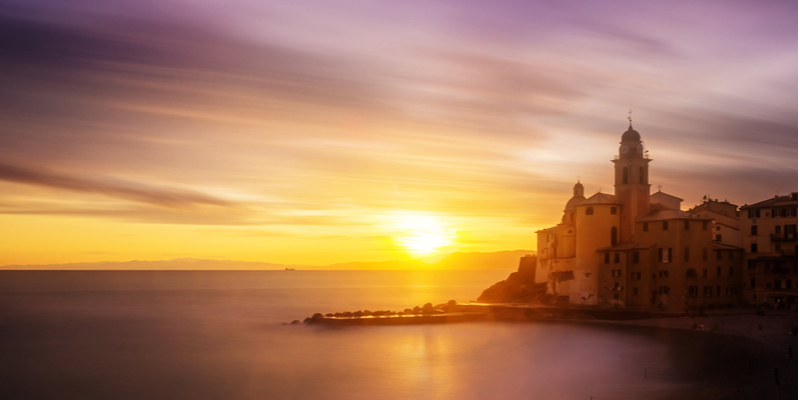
(601, 198)
(656, 214)
(775, 201)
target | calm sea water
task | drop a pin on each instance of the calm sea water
(218, 335)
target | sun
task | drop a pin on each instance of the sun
(421, 234)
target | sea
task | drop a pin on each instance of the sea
(199, 335)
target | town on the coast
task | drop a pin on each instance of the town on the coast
(638, 250)
(637, 254)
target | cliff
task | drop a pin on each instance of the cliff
(519, 287)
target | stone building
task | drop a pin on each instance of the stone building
(770, 251)
(636, 249)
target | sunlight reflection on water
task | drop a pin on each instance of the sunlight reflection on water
(192, 338)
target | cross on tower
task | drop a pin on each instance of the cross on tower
(630, 114)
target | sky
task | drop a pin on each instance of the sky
(320, 132)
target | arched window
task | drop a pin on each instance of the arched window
(641, 175)
(624, 175)
(691, 273)
(614, 236)
(590, 211)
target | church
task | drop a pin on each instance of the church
(637, 250)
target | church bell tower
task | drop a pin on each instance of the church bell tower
(631, 181)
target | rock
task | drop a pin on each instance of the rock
(295, 322)
(329, 315)
(306, 321)
(366, 312)
(358, 314)
(417, 310)
(408, 311)
(427, 308)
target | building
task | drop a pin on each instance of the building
(638, 250)
(770, 251)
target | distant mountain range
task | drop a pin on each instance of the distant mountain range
(499, 260)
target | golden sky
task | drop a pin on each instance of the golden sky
(322, 132)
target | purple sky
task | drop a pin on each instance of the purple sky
(301, 124)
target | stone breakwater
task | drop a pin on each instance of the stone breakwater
(451, 311)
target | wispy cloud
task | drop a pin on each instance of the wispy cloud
(163, 197)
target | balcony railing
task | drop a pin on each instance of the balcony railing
(785, 237)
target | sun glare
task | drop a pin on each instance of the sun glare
(421, 234)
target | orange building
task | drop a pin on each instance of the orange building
(636, 249)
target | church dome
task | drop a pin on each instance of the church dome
(574, 202)
(631, 135)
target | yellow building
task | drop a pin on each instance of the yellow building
(635, 249)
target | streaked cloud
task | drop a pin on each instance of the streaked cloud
(303, 122)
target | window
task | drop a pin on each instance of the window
(686, 224)
(719, 270)
(663, 274)
(665, 225)
(613, 235)
(705, 253)
(752, 283)
(730, 271)
(754, 230)
(606, 259)
(686, 254)
(719, 290)
(644, 227)
(665, 254)
(705, 273)
(613, 210)
(754, 213)
(692, 290)
(705, 225)
(691, 273)
(783, 212)
(777, 229)
(663, 289)
(730, 254)
(590, 211)
(754, 247)
(718, 238)
(635, 257)
(719, 254)
(636, 291)
(616, 258)
(624, 175)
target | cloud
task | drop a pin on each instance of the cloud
(163, 197)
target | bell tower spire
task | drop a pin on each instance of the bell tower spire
(631, 180)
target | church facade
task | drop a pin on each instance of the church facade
(635, 249)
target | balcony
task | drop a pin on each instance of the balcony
(786, 237)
